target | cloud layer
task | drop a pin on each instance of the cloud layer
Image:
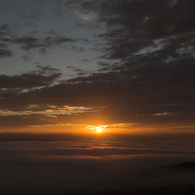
(70, 163)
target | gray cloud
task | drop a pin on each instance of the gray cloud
(28, 42)
(4, 32)
(148, 19)
(26, 57)
(78, 70)
(43, 77)
(4, 29)
(4, 53)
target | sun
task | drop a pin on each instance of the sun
(99, 129)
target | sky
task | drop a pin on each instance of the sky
(101, 89)
(66, 64)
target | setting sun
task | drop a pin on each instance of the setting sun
(99, 129)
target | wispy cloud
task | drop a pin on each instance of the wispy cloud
(84, 16)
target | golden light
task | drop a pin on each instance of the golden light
(99, 129)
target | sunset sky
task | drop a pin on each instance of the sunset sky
(69, 64)
(96, 79)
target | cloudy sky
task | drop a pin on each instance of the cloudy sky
(76, 67)
(69, 64)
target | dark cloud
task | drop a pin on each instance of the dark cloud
(81, 49)
(122, 102)
(52, 32)
(148, 19)
(43, 77)
(78, 70)
(4, 29)
(4, 53)
(28, 42)
(26, 57)
(142, 25)
(21, 121)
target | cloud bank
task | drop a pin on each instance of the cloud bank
(79, 164)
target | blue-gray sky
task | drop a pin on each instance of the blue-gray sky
(46, 33)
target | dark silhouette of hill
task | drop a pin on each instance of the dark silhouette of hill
(171, 190)
(183, 165)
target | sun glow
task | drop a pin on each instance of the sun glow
(99, 129)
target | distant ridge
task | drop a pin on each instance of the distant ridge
(183, 165)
